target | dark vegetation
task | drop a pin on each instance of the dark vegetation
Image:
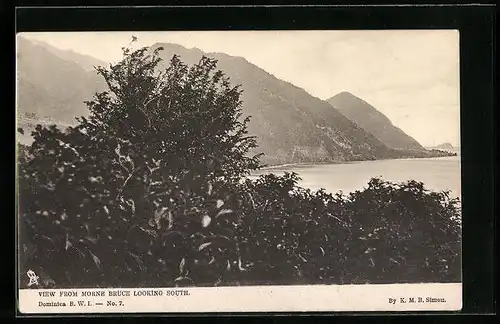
(151, 190)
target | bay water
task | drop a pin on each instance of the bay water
(436, 173)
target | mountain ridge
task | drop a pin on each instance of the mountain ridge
(291, 125)
(86, 61)
(373, 121)
(49, 86)
(445, 145)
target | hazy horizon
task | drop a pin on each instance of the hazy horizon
(410, 76)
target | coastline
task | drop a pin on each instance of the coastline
(438, 174)
(313, 163)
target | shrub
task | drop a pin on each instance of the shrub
(386, 233)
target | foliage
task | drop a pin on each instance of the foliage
(151, 190)
(386, 233)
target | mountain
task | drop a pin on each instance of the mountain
(290, 124)
(445, 146)
(50, 87)
(373, 121)
(85, 61)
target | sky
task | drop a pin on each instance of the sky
(411, 76)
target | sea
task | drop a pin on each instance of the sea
(436, 173)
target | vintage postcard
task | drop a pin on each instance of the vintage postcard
(238, 171)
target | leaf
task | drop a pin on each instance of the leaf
(240, 265)
(150, 232)
(68, 243)
(251, 200)
(204, 245)
(372, 263)
(223, 212)
(181, 265)
(92, 239)
(322, 251)
(138, 260)
(205, 221)
(219, 203)
(96, 259)
(170, 218)
(302, 258)
(220, 238)
(183, 280)
(48, 239)
(159, 213)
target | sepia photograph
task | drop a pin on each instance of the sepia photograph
(158, 164)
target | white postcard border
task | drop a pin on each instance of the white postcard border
(328, 298)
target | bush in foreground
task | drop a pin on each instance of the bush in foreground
(386, 233)
(151, 190)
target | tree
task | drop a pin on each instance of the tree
(158, 153)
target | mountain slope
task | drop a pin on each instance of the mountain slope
(85, 61)
(446, 146)
(50, 87)
(373, 121)
(291, 125)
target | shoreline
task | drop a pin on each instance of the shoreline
(313, 163)
(315, 181)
